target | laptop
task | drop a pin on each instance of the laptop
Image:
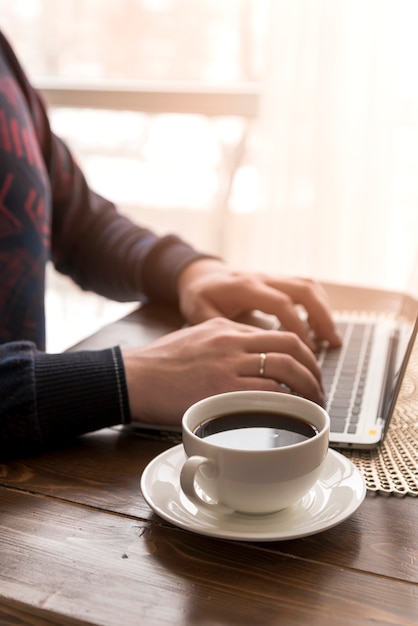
(362, 379)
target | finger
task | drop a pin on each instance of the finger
(283, 342)
(281, 305)
(286, 370)
(282, 372)
(314, 299)
(263, 384)
(325, 330)
(245, 294)
(259, 319)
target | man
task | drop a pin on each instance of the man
(48, 211)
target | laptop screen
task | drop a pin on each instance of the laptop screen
(403, 343)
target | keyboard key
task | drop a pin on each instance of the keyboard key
(343, 374)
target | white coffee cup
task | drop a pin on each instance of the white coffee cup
(247, 470)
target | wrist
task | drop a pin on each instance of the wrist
(198, 268)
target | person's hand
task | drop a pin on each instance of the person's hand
(215, 356)
(208, 288)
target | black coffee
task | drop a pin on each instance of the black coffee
(248, 430)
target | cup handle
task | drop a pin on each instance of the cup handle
(188, 482)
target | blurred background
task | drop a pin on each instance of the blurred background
(279, 134)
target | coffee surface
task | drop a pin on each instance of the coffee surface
(250, 430)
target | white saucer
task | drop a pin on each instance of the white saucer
(339, 492)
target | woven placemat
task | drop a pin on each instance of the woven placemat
(392, 469)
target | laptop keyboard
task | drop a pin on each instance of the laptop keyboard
(344, 374)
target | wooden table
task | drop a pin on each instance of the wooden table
(79, 545)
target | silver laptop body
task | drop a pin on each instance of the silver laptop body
(362, 379)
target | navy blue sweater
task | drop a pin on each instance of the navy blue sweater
(48, 212)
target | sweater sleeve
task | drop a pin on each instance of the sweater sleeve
(102, 250)
(46, 399)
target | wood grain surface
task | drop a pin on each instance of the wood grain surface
(85, 563)
(79, 545)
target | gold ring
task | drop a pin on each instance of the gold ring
(261, 368)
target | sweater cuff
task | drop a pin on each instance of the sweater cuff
(80, 392)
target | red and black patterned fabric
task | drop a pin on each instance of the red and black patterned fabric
(48, 212)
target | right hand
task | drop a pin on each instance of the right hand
(216, 356)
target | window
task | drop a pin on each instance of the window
(281, 135)
(161, 92)
(190, 68)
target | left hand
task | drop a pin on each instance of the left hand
(209, 288)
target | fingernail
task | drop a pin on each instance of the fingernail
(310, 343)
